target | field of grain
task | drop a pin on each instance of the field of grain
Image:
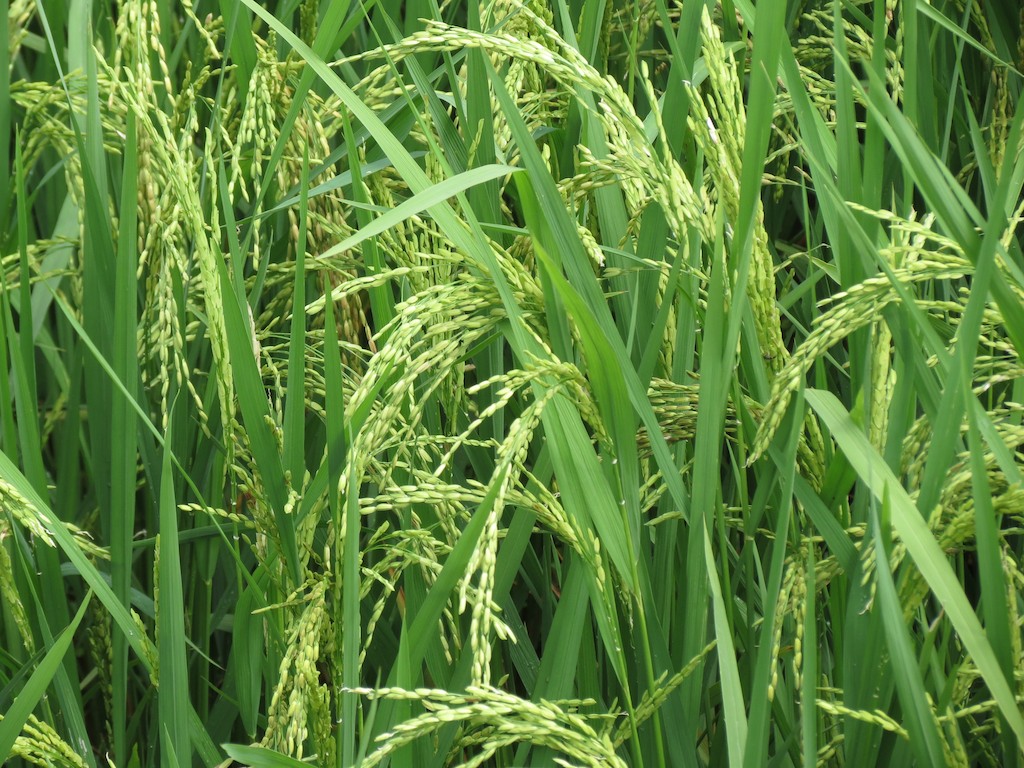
(427, 383)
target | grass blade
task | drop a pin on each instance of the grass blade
(16, 717)
(922, 547)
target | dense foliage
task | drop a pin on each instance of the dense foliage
(430, 383)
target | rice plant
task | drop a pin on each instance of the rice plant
(524, 382)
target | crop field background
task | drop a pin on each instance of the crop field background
(517, 383)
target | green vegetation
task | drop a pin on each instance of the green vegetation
(562, 382)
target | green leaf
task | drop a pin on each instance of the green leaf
(922, 548)
(261, 757)
(924, 736)
(16, 717)
(173, 693)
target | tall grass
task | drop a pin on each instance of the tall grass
(579, 383)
